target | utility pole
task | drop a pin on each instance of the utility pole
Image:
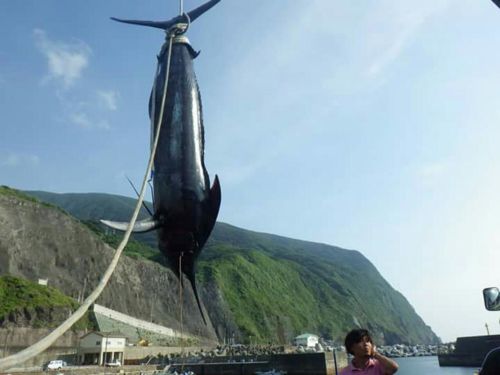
(105, 350)
(152, 306)
(81, 298)
(9, 330)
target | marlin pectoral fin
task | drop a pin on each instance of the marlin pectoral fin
(139, 227)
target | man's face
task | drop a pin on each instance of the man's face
(364, 348)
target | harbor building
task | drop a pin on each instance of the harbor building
(307, 339)
(99, 348)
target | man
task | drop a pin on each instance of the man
(366, 361)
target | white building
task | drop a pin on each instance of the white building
(307, 339)
(99, 348)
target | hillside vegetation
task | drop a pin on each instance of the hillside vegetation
(281, 287)
(134, 249)
(7, 191)
(25, 302)
(273, 287)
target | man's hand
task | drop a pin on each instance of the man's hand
(389, 366)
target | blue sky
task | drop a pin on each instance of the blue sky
(368, 125)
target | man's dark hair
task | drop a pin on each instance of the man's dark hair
(355, 336)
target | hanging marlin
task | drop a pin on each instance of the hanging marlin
(185, 206)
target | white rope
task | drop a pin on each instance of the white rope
(181, 313)
(40, 346)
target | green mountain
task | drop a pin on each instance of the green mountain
(260, 287)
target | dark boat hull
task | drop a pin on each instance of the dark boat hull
(470, 351)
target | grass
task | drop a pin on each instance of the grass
(8, 191)
(274, 296)
(266, 295)
(21, 295)
(134, 248)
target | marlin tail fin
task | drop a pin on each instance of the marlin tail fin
(165, 25)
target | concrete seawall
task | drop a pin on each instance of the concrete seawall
(137, 323)
(293, 364)
(14, 340)
(340, 358)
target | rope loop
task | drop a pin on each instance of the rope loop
(180, 28)
(188, 19)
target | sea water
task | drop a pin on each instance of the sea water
(429, 366)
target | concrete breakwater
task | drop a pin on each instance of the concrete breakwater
(401, 350)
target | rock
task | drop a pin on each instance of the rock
(41, 242)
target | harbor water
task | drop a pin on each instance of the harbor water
(429, 366)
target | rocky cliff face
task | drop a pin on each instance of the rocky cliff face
(33, 317)
(41, 242)
(256, 287)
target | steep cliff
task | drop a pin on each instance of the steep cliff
(38, 241)
(255, 286)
